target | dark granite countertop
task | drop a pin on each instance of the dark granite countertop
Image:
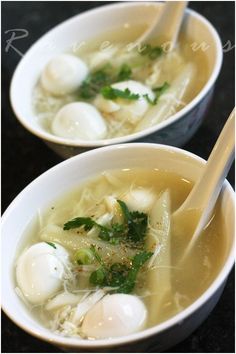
(24, 157)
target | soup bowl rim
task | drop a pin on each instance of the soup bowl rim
(49, 137)
(144, 334)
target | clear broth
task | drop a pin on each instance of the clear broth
(46, 106)
(188, 282)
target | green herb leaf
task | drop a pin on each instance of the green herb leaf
(51, 244)
(161, 89)
(94, 82)
(152, 52)
(137, 262)
(87, 223)
(158, 92)
(112, 234)
(112, 93)
(137, 227)
(124, 209)
(98, 277)
(96, 255)
(124, 73)
(155, 53)
(137, 223)
(146, 49)
(149, 100)
(119, 275)
(133, 230)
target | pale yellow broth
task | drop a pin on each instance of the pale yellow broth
(188, 281)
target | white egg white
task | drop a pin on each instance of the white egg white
(40, 270)
(131, 110)
(79, 120)
(114, 316)
(63, 74)
(140, 199)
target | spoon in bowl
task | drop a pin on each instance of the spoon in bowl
(165, 29)
(190, 219)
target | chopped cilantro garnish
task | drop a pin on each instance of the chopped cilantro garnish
(146, 49)
(96, 255)
(93, 83)
(114, 234)
(137, 262)
(98, 79)
(119, 275)
(87, 223)
(124, 73)
(112, 93)
(149, 100)
(155, 53)
(51, 244)
(132, 230)
(98, 277)
(152, 52)
(161, 89)
(111, 234)
(136, 223)
(158, 92)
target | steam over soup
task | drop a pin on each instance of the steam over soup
(106, 89)
(102, 261)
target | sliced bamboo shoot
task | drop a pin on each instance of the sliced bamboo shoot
(84, 306)
(158, 241)
(63, 299)
(170, 100)
(73, 241)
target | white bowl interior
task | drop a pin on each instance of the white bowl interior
(73, 32)
(71, 173)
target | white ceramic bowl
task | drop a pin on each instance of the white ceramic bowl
(71, 173)
(175, 131)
